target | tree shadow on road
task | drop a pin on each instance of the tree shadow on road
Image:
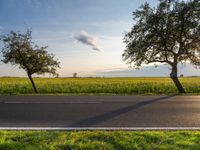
(92, 121)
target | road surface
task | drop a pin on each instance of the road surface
(99, 111)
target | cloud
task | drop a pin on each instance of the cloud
(148, 71)
(87, 39)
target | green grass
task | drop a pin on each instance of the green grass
(97, 85)
(100, 140)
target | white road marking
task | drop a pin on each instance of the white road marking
(29, 102)
(102, 128)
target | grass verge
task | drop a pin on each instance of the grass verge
(99, 140)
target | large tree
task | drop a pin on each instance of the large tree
(168, 33)
(19, 50)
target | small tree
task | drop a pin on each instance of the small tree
(75, 75)
(19, 50)
(169, 33)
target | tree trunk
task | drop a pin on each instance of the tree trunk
(33, 84)
(175, 79)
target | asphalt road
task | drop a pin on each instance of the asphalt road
(99, 111)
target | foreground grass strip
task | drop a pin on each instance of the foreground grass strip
(108, 140)
(97, 85)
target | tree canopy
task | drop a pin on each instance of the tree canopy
(168, 33)
(20, 50)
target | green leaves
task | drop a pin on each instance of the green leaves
(19, 50)
(168, 33)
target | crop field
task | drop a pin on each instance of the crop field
(97, 86)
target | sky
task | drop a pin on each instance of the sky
(85, 35)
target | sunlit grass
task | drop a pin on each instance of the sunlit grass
(100, 140)
(97, 85)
